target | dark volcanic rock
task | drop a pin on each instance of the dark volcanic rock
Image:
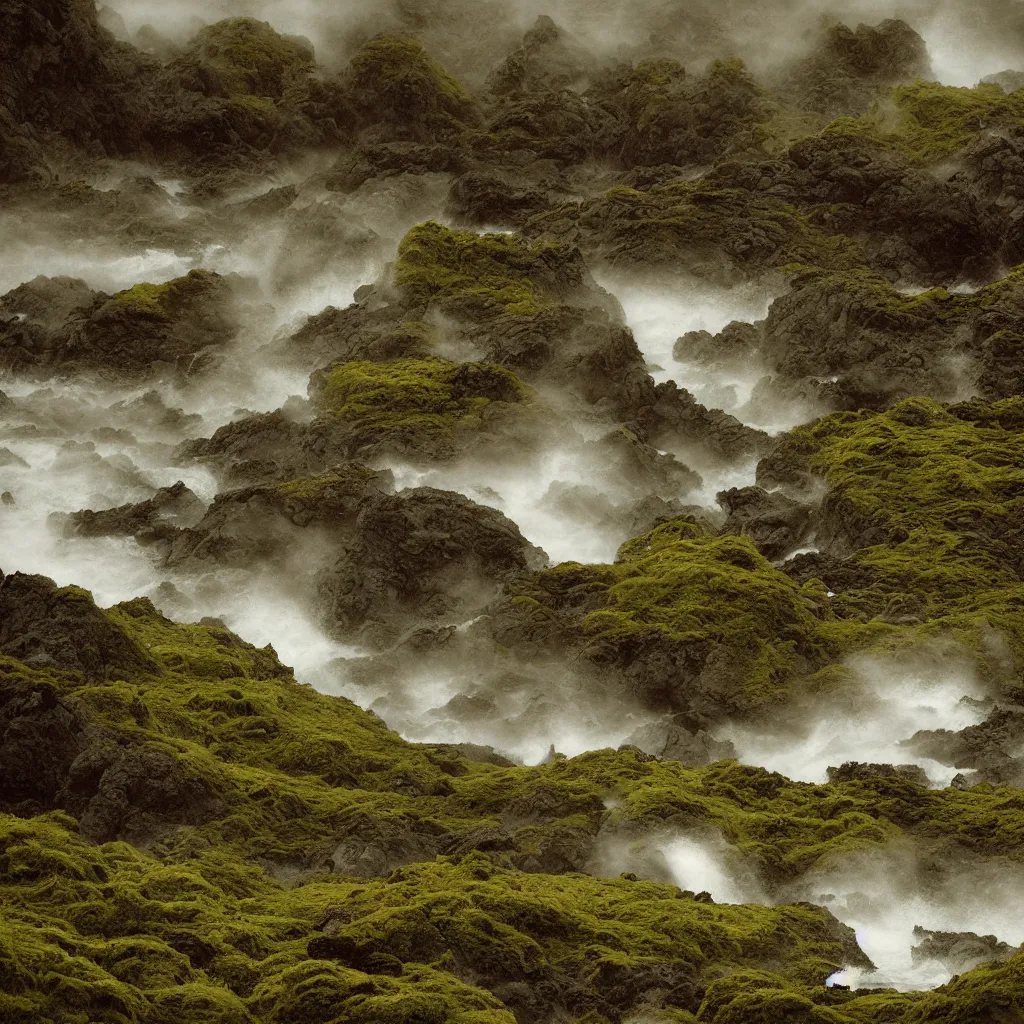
(178, 326)
(256, 525)
(775, 522)
(420, 557)
(852, 771)
(171, 507)
(44, 625)
(959, 951)
(677, 739)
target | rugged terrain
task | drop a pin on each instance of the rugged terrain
(511, 516)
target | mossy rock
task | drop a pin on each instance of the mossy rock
(246, 59)
(413, 405)
(393, 80)
(481, 276)
(681, 615)
(724, 234)
(928, 122)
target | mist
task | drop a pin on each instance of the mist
(882, 704)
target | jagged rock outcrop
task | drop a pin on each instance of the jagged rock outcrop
(147, 521)
(177, 328)
(418, 558)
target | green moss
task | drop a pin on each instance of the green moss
(715, 230)
(941, 488)
(428, 405)
(194, 929)
(689, 595)
(475, 275)
(148, 299)
(157, 301)
(395, 79)
(928, 122)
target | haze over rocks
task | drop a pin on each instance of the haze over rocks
(511, 513)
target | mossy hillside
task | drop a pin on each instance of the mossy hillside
(116, 935)
(929, 499)
(727, 234)
(296, 768)
(394, 80)
(510, 926)
(427, 405)
(195, 926)
(121, 935)
(782, 828)
(473, 276)
(928, 122)
(684, 593)
(248, 59)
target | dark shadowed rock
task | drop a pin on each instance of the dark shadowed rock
(420, 557)
(45, 625)
(775, 522)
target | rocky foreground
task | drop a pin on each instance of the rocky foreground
(191, 835)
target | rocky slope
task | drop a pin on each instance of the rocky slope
(404, 342)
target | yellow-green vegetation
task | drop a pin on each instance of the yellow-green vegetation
(471, 275)
(683, 590)
(194, 923)
(719, 232)
(427, 405)
(157, 301)
(149, 299)
(250, 59)
(930, 501)
(927, 122)
(713, 608)
(394, 78)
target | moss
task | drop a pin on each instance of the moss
(718, 231)
(689, 596)
(928, 122)
(159, 301)
(312, 489)
(929, 499)
(426, 405)
(478, 275)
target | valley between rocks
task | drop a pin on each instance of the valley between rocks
(511, 525)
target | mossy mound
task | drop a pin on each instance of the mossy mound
(688, 620)
(927, 501)
(479, 276)
(413, 405)
(176, 327)
(724, 234)
(928, 122)
(860, 342)
(245, 57)
(394, 81)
